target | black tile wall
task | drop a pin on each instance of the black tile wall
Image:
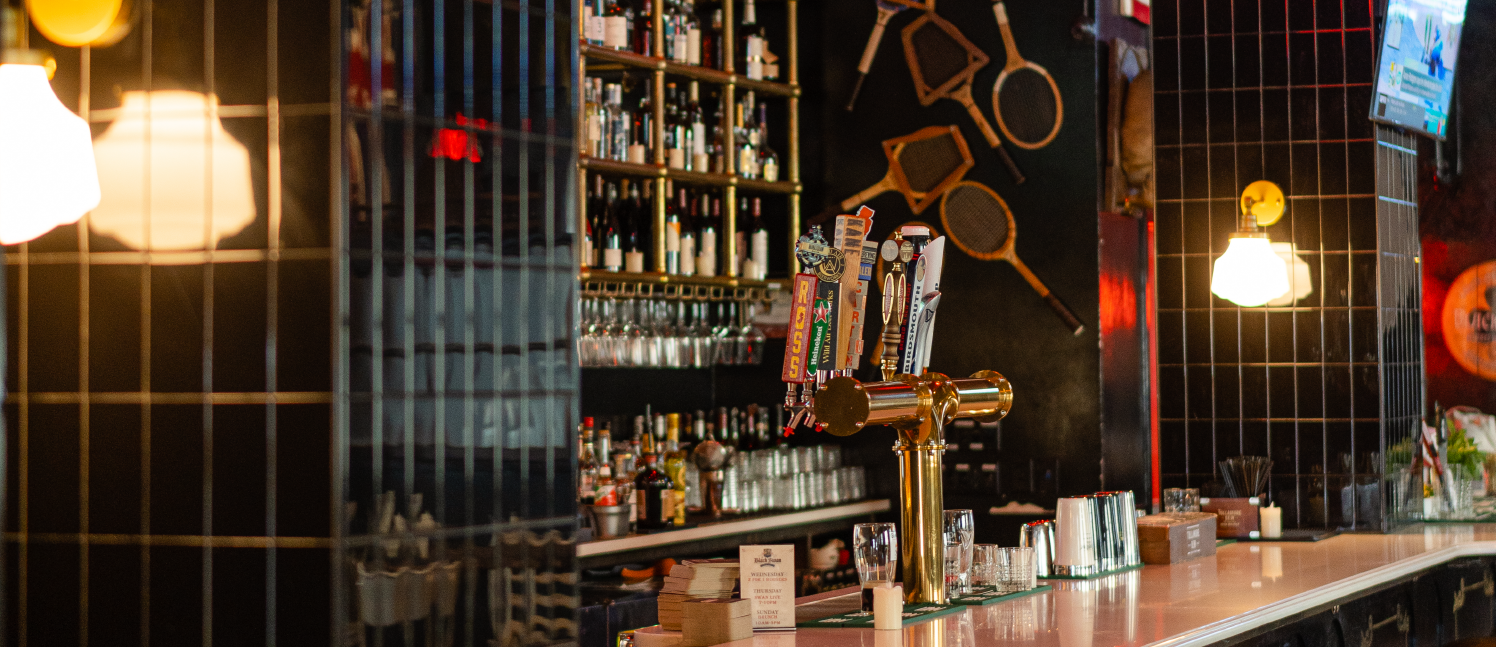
(185, 462)
(1279, 91)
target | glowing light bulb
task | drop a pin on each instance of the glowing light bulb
(170, 143)
(47, 172)
(1250, 273)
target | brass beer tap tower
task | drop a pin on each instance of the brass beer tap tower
(919, 407)
(826, 315)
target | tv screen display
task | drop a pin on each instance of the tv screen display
(1415, 70)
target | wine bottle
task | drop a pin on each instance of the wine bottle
(590, 246)
(688, 224)
(641, 139)
(752, 37)
(675, 126)
(672, 234)
(604, 487)
(618, 124)
(594, 116)
(714, 48)
(696, 129)
(768, 160)
(616, 25)
(612, 236)
(720, 141)
(740, 235)
(692, 28)
(706, 259)
(635, 231)
(592, 22)
(759, 243)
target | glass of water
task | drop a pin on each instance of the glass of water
(984, 571)
(875, 548)
(960, 531)
(1015, 570)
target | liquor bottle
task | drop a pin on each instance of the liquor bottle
(691, 25)
(635, 230)
(617, 124)
(615, 25)
(590, 246)
(672, 235)
(624, 474)
(719, 142)
(686, 137)
(696, 131)
(768, 160)
(596, 118)
(759, 237)
(706, 240)
(642, 23)
(675, 129)
(653, 490)
(612, 234)
(675, 468)
(747, 439)
(586, 465)
(711, 46)
(743, 136)
(592, 22)
(741, 235)
(688, 220)
(604, 487)
(641, 133)
(752, 37)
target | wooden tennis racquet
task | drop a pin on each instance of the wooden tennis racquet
(1025, 99)
(979, 222)
(943, 63)
(921, 165)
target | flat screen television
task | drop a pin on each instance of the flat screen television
(1416, 64)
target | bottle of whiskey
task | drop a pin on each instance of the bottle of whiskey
(653, 490)
(617, 133)
(700, 162)
(586, 465)
(673, 235)
(688, 222)
(706, 239)
(605, 486)
(768, 160)
(615, 25)
(752, 36)
(759, 243)
(675, 468)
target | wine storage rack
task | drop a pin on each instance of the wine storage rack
(728, 285)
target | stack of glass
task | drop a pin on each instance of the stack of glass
(667, 333)
(790, 478)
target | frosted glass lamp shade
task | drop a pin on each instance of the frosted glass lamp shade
(47, 172)
(1250, 273)
(173, 178)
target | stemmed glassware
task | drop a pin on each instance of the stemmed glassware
(667, 333)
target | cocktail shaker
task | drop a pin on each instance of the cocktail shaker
(1076, 530)
(1039, 535)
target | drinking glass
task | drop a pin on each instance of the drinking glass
(1016, 570)
(984, 565)
(875, 548)
(960, 530)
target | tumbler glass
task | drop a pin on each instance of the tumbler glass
(875, 548)
(1016, 570)
(960, 531)
(984, 570)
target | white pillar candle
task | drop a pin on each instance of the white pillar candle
(1271, 522)
(888, 607)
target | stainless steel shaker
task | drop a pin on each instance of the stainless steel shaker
(1039, 535)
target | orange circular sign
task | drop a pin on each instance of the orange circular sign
(1470, 320)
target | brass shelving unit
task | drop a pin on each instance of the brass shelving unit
(728, 286)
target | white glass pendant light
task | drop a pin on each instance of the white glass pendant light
(47, 172)
(173, 178)
(1250, 273)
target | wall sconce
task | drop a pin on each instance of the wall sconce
(47, 172)
(1250, 273)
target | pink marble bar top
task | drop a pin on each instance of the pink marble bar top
(1194, 603)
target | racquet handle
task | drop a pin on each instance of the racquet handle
(1008, 162)
(856, 89)
(884, 185)
(1059, 308)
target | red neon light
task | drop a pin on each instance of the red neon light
(455, 144)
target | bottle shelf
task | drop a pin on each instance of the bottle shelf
(673, 286)
(707, 74)
(616, 167)
(730, 530)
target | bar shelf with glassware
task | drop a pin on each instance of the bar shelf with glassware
(673, 100)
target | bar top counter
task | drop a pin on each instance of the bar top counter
(1245, 587)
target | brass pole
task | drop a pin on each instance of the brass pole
(794, 152)
(657, 105)
(582, 142)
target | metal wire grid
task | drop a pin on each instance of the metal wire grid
(460, 382)
(1304, 384)
(1399, 315)
(99, 471)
